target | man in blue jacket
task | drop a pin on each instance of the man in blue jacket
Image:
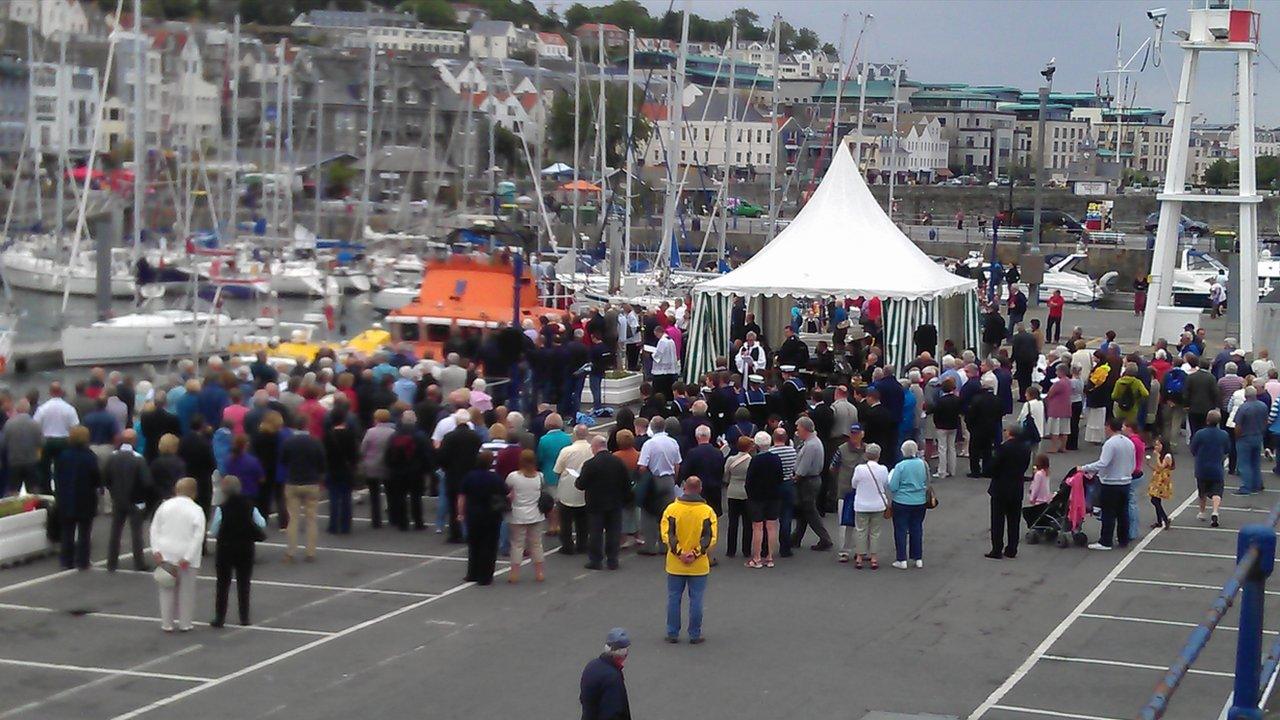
(603, 689)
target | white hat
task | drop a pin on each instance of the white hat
(787, 368)
(755, 378)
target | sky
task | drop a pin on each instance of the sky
(1008, 42)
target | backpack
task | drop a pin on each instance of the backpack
(1175, 382)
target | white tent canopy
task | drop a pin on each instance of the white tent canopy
(841, 244)
(556, 169)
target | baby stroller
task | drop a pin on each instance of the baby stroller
(1051, 521)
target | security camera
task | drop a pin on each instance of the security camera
(1049, 69)
(1157, 14)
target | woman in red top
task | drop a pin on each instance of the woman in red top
(1053, 326)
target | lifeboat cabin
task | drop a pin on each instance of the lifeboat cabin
(462, 296)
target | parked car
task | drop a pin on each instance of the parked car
(1186, 226)
(747, 209)
(1049, 218)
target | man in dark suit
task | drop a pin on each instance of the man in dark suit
(606, 481)
(156, 424)
(129, 482)
(982, 418)
(880, 426)
(1008, 467)
(1025, 354)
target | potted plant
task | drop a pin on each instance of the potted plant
(22, 528)
(619, 388)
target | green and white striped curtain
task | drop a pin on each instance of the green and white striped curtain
(901, 318)
(972, 321)
(708, 333)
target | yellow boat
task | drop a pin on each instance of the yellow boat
(301, 349)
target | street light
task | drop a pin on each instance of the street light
(1033, 264)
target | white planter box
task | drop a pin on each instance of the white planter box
(616, 392)
(23, 535)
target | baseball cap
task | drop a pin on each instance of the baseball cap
(618, 639)
(855, 428)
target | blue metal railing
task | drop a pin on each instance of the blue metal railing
(1255, 560)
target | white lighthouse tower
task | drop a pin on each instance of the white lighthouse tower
(1228, 26)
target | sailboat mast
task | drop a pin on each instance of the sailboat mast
(773, 130)
(728, 142)
(60, 118)
(358, 231)
(893, 137)
(577, 103)
(139, 128)
(674, 125)
(631, 144)
(318, 175)
(233, 199)
(276, 140)
(835, 117)
(602, 131)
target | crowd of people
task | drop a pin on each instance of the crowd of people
(776, 438)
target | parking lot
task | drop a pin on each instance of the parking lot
(383, 622)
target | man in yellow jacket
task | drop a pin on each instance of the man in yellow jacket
(689, 526)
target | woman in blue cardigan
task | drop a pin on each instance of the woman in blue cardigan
(908, 485)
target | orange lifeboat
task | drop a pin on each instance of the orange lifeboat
(465, 293)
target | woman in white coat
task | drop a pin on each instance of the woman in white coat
(177, 540)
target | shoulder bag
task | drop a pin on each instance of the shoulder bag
(545, 500)
(888, 506)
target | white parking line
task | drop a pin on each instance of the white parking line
(152, 619)
(1187, 553)
(1180, 585)
(104, 671)
(308, 586)
(1131, 665)
(1021, 671)
(1172, 623)
(63, 694)
(1049, 713)
(37, 580)
(380, 553)
(318, 642)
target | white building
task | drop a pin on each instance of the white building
(705, 142)
(918, 152)
(450, 42)
(460, 76)
(64, 107)
(807, 66)
(156, 91)
(195, 113)
(49, 17)
(552, 47)
(492, 39)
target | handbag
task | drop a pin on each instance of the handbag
(930, 498)
(545, 499)
(846, 510)
(166, 575)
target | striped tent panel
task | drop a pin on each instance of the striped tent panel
(708, 333)
(901, 318)
(972, 321)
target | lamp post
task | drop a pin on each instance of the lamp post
(1034, 262)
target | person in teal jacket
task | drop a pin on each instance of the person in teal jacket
(908, 486)
(549, 447)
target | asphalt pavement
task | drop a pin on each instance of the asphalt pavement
(382, 622)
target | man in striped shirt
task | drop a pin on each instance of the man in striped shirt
(787, 491)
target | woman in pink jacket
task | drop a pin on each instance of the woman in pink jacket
(1057, 410)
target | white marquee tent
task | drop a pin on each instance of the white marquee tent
(841, 244)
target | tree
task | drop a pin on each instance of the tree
(786, 36)
(1221, 173)
(748, 24)
(830, 50)
(338, 178)
(528, 56)
(1268, 169)
(626, 14)
(432, 13)
(560, 123)
(168, 9)
(576, 15)
(507, 148)
(806, 40)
